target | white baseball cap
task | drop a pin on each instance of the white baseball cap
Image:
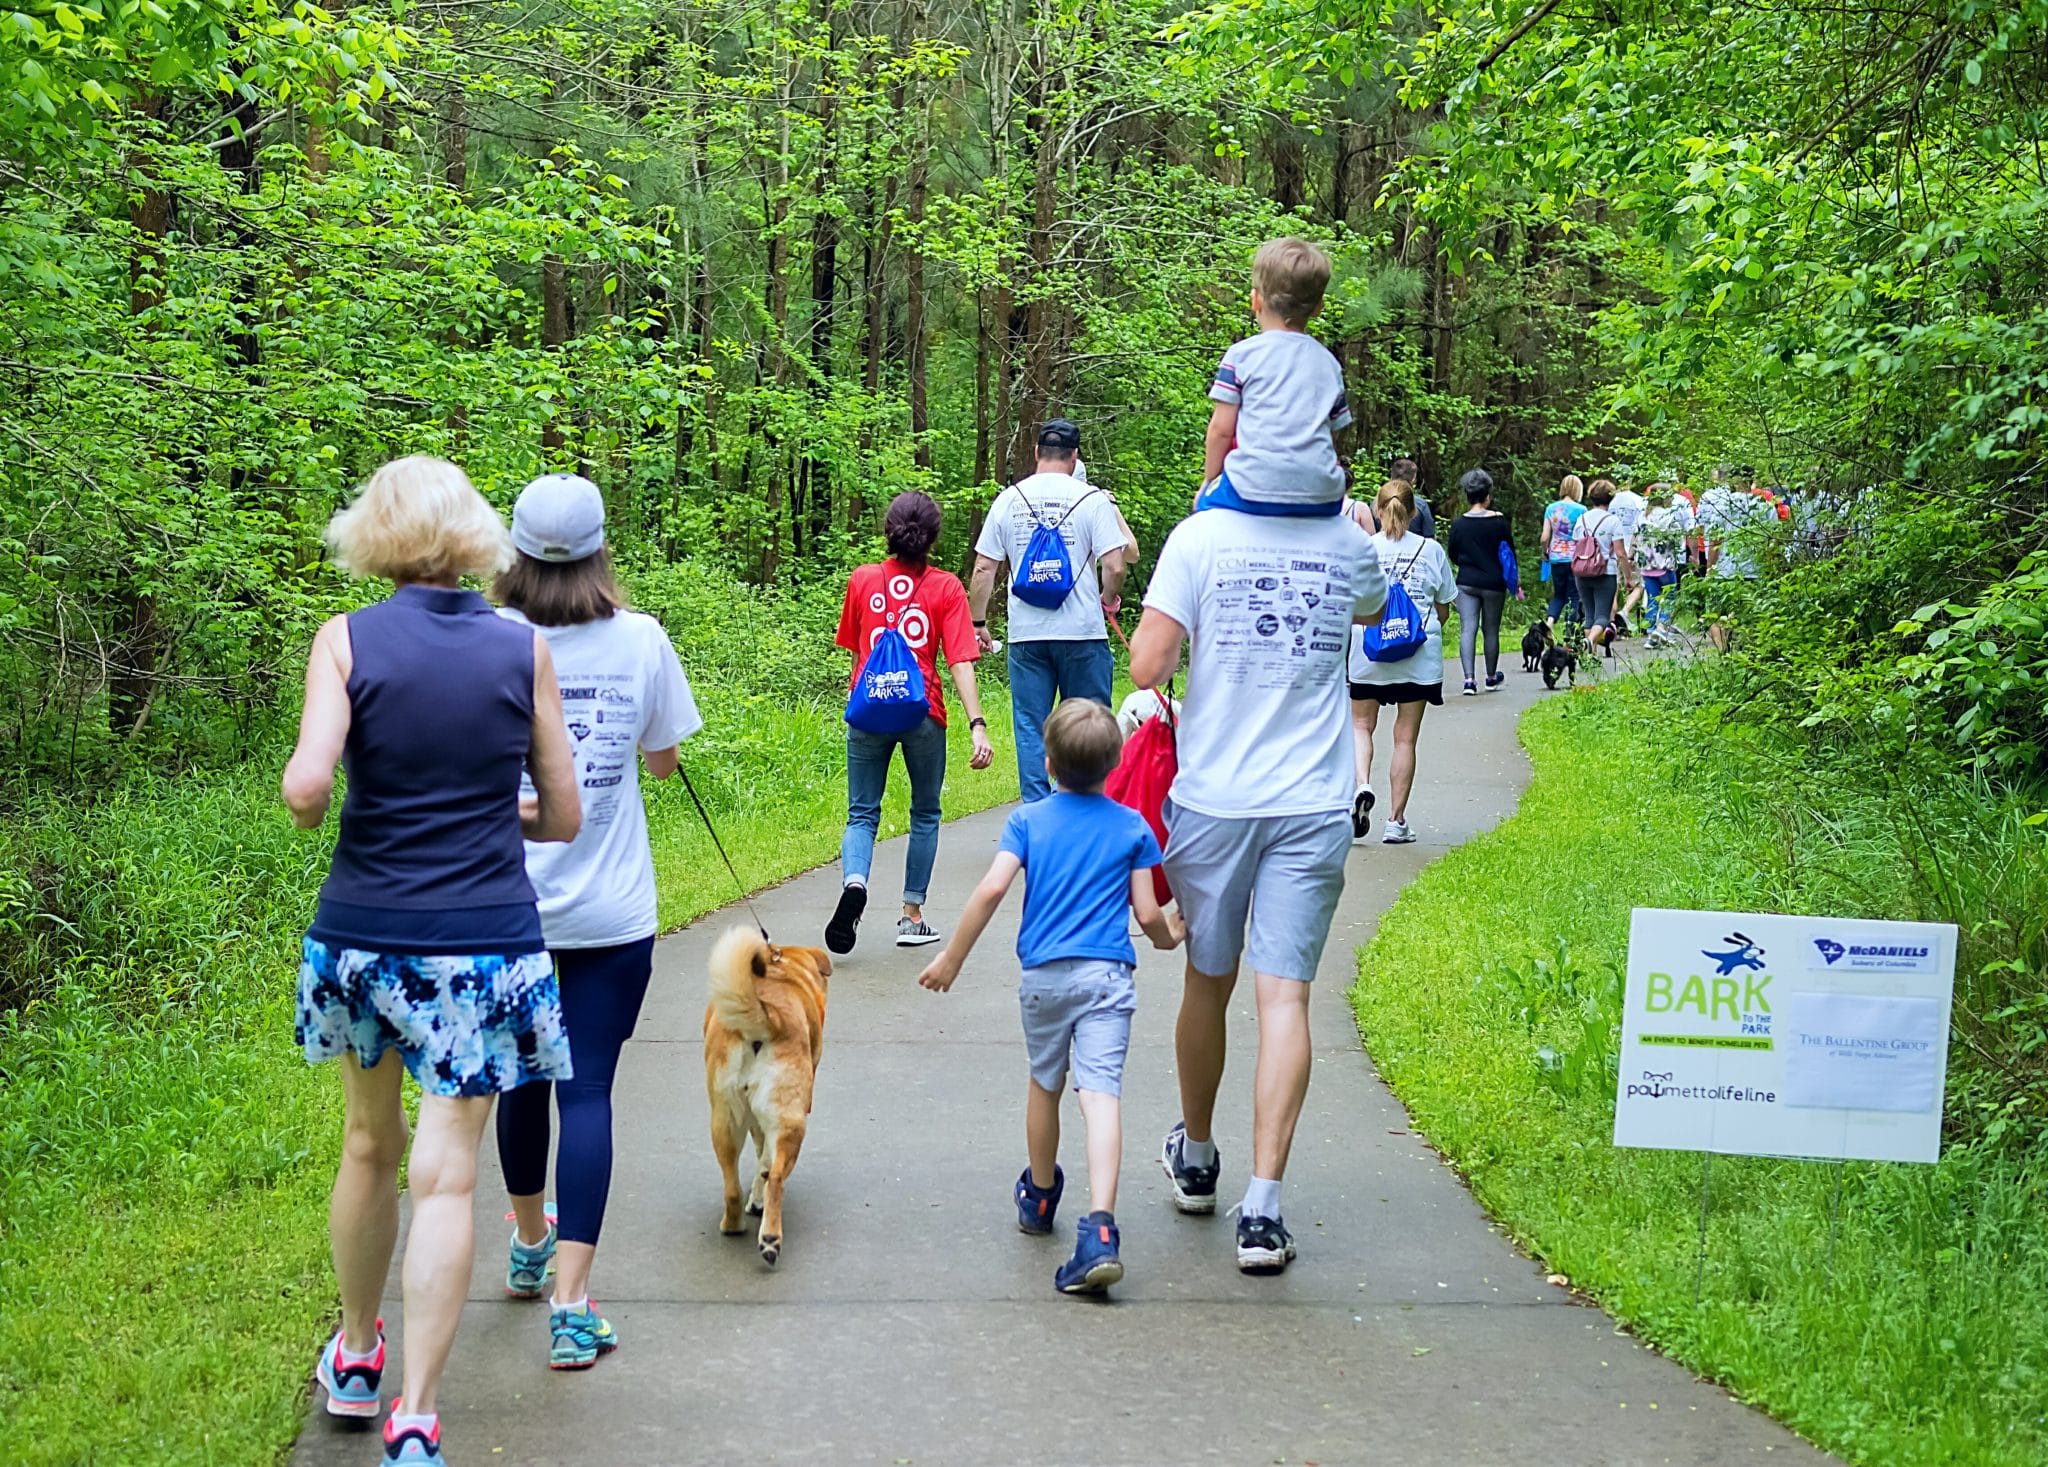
(559, 517)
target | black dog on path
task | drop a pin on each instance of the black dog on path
(1560, 661)
(1535, 642)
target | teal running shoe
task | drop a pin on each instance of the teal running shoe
(354, 1387)
(415, 1445)
(580, 1336)
(526, 1276)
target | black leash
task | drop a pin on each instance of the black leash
(705, 815)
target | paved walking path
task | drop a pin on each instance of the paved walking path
(909, 1322)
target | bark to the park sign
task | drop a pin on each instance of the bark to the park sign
(1764, 1035)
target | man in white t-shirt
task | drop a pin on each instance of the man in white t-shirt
(1259, 819)
(1060, 650)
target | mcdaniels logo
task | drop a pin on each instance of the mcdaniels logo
(1043, 570)
(1834, 951)
(886, 687)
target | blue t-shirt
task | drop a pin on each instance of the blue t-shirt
(1078, 852)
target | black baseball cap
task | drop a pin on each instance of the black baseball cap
(1060, 436)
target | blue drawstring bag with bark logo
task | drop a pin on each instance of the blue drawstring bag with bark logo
(1045, 579)
(888, 694)
(1401, 631)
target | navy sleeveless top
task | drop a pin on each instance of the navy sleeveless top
(430, 859)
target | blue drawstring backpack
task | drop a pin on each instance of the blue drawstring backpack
(1401, 633)
(1046, 577)
(888, 696)
(1510, 567)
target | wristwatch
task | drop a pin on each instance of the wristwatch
(980, 723)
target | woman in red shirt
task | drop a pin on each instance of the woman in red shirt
(929, 607)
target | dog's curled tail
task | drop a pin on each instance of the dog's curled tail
(737, 961)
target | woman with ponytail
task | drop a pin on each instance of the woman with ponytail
(1409, 684)
(929, 608)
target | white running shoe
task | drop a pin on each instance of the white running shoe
(915, 932)
(1397, 833)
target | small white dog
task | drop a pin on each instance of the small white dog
(1141, 706)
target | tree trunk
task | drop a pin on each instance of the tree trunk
(554, 336)
(1040, 312)
(1283, 151)
(131, 680)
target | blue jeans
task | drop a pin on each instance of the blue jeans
(867, 776)
(1039, 671)
(1658, 583)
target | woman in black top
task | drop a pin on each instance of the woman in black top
(1477, 536)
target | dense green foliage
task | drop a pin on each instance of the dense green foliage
(1900, 1322)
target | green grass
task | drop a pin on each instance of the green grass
(1488, 999)
(165, 1154)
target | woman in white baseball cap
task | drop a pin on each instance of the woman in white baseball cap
(626, 702)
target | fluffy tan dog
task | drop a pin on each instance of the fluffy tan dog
(763, 1032)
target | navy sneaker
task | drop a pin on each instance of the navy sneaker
(1035, 1209)
(1263, 1245)
(1194, 1187)
(1094, 1266)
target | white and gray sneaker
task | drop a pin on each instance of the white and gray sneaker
(1397, 833)
(915, 932)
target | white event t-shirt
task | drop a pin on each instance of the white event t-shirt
(1732, 519)
(623, 690)
(1091, 532)
(1629, 507)
(1268, 605)
(1422, 567)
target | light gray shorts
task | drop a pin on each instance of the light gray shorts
(1081, 1006)
(1282, 872)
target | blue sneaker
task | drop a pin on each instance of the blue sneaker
(1194, 1187)
(1035, 1209)
(580, 1336)
(526, 1275)
(417, 1445)
(1263, 1245)
(354, 1387)
(1095, 1265)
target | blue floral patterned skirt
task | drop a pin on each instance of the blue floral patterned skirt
(465, 1026)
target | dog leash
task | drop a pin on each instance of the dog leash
(1165, 698)
(705, 815)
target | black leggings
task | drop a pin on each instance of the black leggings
(602, 989)
(1479, 610)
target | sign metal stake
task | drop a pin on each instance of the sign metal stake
(1699, 1274)
(1834, 1224)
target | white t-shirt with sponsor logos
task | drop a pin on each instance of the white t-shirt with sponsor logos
(1268, 604)
(1091, 532)
(623, 690)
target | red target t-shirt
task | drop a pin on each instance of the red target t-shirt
(927, 605)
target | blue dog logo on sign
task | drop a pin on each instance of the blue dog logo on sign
(1746, 954)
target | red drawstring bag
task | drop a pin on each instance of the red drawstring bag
(1143, 779)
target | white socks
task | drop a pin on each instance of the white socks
(1261, 1199)
(577, 1307)
(1197, 1153)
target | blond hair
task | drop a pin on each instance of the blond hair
(1083, 742)
(1571, 488)
(419, 519)
(1395, 508)
(1290, 276)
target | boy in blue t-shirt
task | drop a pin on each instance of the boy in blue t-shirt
(1089, 862)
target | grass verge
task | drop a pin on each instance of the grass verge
(1912, 1333)
(165, 1154)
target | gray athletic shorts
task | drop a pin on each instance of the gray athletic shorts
(1282, 872)
(1081, 1006)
